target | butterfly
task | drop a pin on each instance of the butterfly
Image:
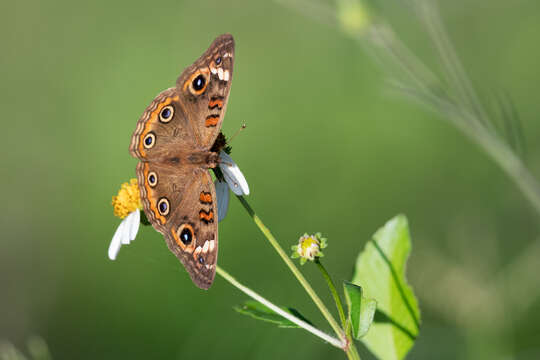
(177, 140)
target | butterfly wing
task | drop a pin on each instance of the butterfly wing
(188, 118)
(163, 132)
(181, 204)
(192, 233)
(204, 88)
(162, 187)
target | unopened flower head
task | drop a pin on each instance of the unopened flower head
(127, 200)
(353, 16)
(309, 247)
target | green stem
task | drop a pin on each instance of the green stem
(334, 292)
(322, 308)
(352, 353)
(332, 340)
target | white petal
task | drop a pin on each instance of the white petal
(116, 241)
(222, 193)
(136, 221)
(234, 177)
(125, 233)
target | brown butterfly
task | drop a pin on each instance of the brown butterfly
(175, 141)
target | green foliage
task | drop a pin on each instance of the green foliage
(35, 345)
(361, 310)
(258, 311)
(380, 269)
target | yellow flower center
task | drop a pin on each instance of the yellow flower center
(309, 247)
(127, 200)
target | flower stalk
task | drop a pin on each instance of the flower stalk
(330, 339)
(334, 292)
(353, 352)
(346, 343)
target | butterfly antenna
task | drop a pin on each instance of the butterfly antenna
(237, 132)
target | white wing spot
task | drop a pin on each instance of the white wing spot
(197, 252)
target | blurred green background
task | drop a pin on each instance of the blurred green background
(326, 148)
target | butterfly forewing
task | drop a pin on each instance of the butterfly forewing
(205, 87)
(163, 132)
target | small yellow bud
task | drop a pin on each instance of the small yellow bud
(309, 247)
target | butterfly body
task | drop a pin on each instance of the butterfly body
(174, 140)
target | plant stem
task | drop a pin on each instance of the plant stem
(332, 340)
(351, 352)
(395, 53)
(322, 308)
(334, 292)
(352, 349)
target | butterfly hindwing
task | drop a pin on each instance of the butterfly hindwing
(192, 232)
(162, 187)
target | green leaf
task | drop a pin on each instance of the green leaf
(380, 270)
(261, 312)
(361, 310)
